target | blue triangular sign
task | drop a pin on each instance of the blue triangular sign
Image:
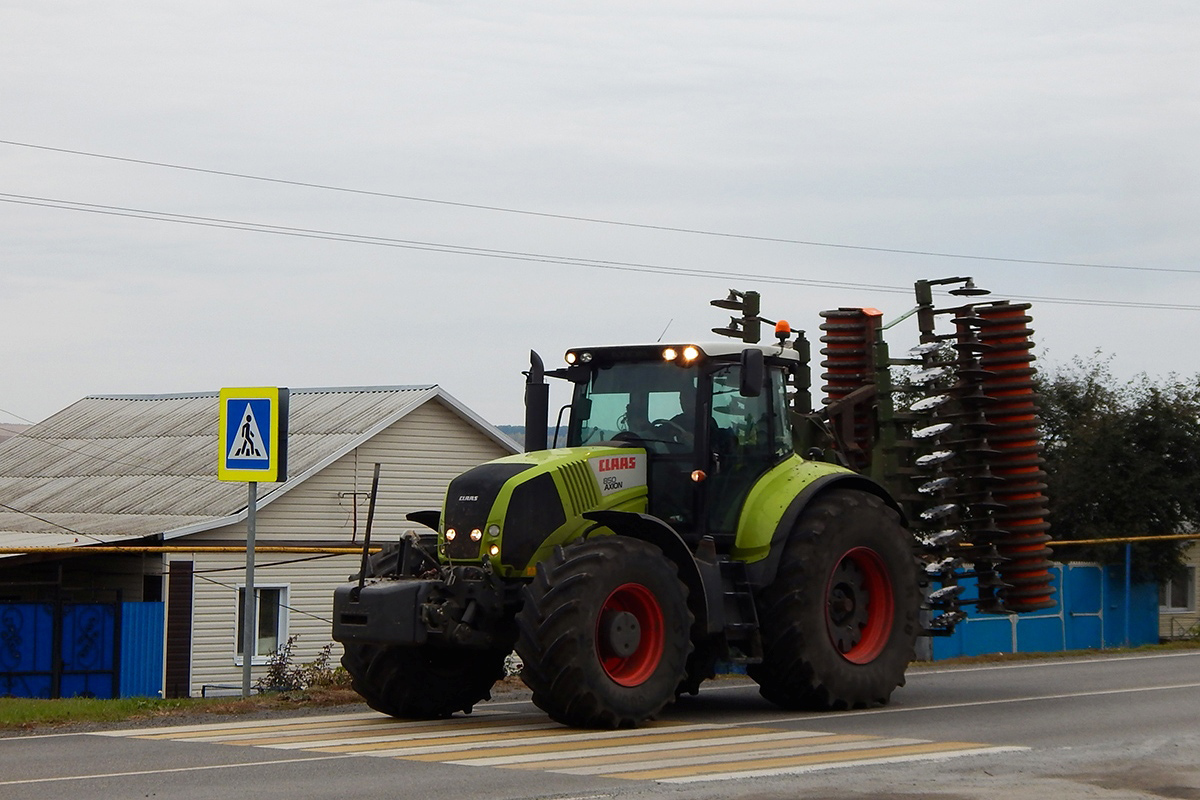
(247, 442)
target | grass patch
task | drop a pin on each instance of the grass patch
(20, 713)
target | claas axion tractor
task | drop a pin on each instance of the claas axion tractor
(703, 513)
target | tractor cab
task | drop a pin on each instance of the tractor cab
(712, 418)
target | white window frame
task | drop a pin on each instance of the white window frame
(260, 659)
(1189, 600)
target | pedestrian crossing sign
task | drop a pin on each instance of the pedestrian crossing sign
(253, 434)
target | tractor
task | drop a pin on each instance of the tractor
(701, 515)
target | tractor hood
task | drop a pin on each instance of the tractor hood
(512, 512)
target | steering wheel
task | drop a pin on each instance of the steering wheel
(629, 436)
(672, 431)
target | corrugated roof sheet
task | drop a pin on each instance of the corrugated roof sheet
(113, 468)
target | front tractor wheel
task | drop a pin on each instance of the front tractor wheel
(604, 633)
(841, 618)
(422, 682)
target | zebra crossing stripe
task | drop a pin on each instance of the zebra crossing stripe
(316, 739)
(619, 754)
(177, 731)
(691, 738)
(545, 735)
(826, 765)
(781, 764)
(602, 760)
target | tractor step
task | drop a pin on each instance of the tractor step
(741, 614)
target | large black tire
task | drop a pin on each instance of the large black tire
(604, 633)
(840, 620)
(422, 682)
(419, 682)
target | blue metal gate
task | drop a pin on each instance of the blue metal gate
(26, 649)
(60, 649)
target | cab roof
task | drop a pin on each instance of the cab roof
(711, 349)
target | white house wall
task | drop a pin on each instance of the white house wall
(214, 625)
(419, 454)
(1176, 624)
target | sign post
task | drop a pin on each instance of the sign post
(253, 426)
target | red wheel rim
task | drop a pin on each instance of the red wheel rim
(637, 667)
(859, 606)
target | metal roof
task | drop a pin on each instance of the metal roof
(111, 468)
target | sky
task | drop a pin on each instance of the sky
(461, 182)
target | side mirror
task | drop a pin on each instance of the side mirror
(753, 372)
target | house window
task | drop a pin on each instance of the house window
(1179, 594)
(271, 627)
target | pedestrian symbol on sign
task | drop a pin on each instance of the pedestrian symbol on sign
(248, 442)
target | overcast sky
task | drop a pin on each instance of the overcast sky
(1063, 131)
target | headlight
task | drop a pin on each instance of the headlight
(450, 534)
(669, 354)
(476, 535)
(494, 550)
(691, 353)
(493, 530)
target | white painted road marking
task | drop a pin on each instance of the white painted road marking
(666, 752)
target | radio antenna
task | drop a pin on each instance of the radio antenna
(664, 333)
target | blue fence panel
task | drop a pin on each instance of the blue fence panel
(26, 649)
(1142, 606)
(1039, 633)
(988, 634)
(89, 645)
(1091, 615)
(142, 630)
(1085, 633)
(1083, 588)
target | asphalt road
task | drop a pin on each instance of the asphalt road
(1108, 727)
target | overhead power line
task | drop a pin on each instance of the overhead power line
(50, 522)
(516, 255)
(592, 220)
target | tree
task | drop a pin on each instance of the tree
(1123, 459)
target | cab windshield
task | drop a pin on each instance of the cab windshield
(652, 403)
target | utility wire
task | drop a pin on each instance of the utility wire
(18, 416)
(593, 220)
(513, 255)
(238, 589)
(276, 563)
(49, 522)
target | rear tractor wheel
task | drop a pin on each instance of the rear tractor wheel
(840, 620)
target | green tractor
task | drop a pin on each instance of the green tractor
(701, 514)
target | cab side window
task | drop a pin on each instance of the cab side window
(741, 448)
(740, 425)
